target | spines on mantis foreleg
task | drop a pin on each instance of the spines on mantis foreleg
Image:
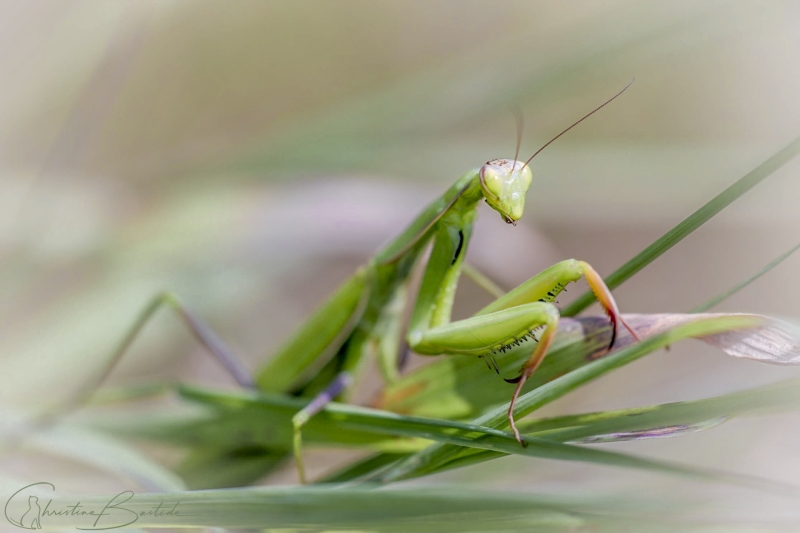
(543, 287)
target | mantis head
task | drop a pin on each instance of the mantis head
(504, 183)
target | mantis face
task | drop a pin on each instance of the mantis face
(504, 183)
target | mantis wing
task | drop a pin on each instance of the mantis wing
(319, 338)
(377, 284)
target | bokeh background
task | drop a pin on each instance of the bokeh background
(249, 154)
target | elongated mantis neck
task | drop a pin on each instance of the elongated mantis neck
(473, 193)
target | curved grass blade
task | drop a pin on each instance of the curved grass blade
(768, 340)
(689, 224)
(241, 420)
(362, 468)
(256, 419)
(342, 419)
(105, 454)
(460, 387)
(449, 509)
(440, 454)
(770, 398)
(212, 468)
(358, 419)
(656, 421)
(660, 432)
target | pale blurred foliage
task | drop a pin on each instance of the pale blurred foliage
(249, 154)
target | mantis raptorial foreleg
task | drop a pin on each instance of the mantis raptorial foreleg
(506, 322)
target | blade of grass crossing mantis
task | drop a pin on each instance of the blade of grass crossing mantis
(344, 417)
(211, 468)
(363, 468)
(655, 421)
(689, 224)
(347, 417)
(358, 509)
(353, 420)
(439, 454)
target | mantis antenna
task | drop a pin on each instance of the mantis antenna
(520, 118)
(596, 109)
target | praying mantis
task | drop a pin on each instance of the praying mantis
(364, 318)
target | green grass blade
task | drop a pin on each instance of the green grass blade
(262, 421)
(212, 468)
(441, 510)
(770, 398)
(354, 420)
(689, 224)
(739, 286)
(362, 468)
(257, 420)
(105, 454)
(462, 387)
(655, 421)
(440, 454)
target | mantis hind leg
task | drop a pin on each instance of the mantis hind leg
(201, 331)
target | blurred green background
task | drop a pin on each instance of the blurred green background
(248, 155)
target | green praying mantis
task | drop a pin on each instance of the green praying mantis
(364, 318)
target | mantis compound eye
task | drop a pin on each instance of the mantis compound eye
(504, 183)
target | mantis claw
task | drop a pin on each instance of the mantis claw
(603, 295)
(613, 320)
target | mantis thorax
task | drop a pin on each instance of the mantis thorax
(504, 183)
